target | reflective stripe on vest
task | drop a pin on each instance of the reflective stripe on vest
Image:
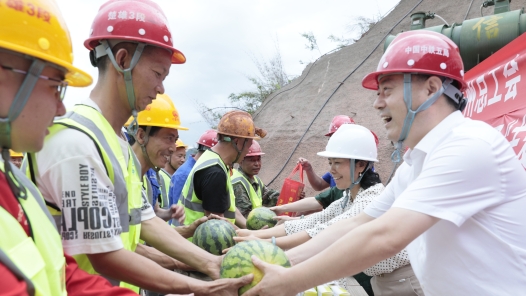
(39, 259)
(124, 174)
(255, 196)
(193, 206)
(165, 179)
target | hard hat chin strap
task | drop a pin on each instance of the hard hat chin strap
(130, 92)
(19, 102)
(354, 183)
(446, 87)
(238, 151)
(143, 148)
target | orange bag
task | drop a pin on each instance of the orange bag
(291, 189)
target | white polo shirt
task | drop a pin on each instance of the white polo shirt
(465, 173)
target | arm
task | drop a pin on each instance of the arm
(316, 182)
(306, 204)
(371, 243)
(79, 282)
(275, 231)
(326, 238)
(133, 268)
(161, 236)
(160, 258)
(241, 221)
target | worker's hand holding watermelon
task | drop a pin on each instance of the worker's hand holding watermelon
(187, 231)
(225, 287)
(271, 274)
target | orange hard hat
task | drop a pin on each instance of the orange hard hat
(239, 124)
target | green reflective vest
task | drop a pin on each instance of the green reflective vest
(39, 259)
(124, 174)
(193, 206)
(256, 197)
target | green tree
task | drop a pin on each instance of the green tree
(271, 77)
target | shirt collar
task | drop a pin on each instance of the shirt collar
(252, 180)
(91, 103)
(432, 138)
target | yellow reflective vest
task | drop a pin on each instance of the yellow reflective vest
(256, 197)
(39, 259)
(193, 206)
(124, 174)
(165, 179)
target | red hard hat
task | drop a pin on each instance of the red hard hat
(422, 52)
(336, 122)
(376, 139)
(208, 139)
(136, 21)
(255, 149)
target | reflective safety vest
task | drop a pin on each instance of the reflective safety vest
(165, 183)
(123, 173)
(193, 206)
(256, 197)
(39, 259)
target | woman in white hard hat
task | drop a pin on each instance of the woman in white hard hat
(351, 152)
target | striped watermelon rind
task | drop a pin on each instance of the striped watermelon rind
(214, 236)
(259, 217)
(238, 262)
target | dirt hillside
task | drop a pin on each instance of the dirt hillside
(287, 114)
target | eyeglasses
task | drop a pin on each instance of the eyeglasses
(61, 87)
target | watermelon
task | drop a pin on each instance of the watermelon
(214, 236)
(259, 217)
(237, 261)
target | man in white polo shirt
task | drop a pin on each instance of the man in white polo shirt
(456, 202)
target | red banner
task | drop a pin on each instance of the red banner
(497, 93)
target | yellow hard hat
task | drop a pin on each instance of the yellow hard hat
(36, 28)
(239, 124)
(15, 154)
(161, 112)
(180, 144)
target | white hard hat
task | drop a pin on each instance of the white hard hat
(351, 141)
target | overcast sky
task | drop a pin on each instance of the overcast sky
(219, 39)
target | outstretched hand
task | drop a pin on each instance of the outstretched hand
(283, 219)
(274, 281)
(214, 216)
(187, 231)
(225, 287)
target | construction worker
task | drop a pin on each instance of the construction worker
(208, 189)
(176, 160)
(16, 158)
(249, 190)
(35, 69)
(91, 178)
(159, 123)
(436, 206)
(207, 140)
